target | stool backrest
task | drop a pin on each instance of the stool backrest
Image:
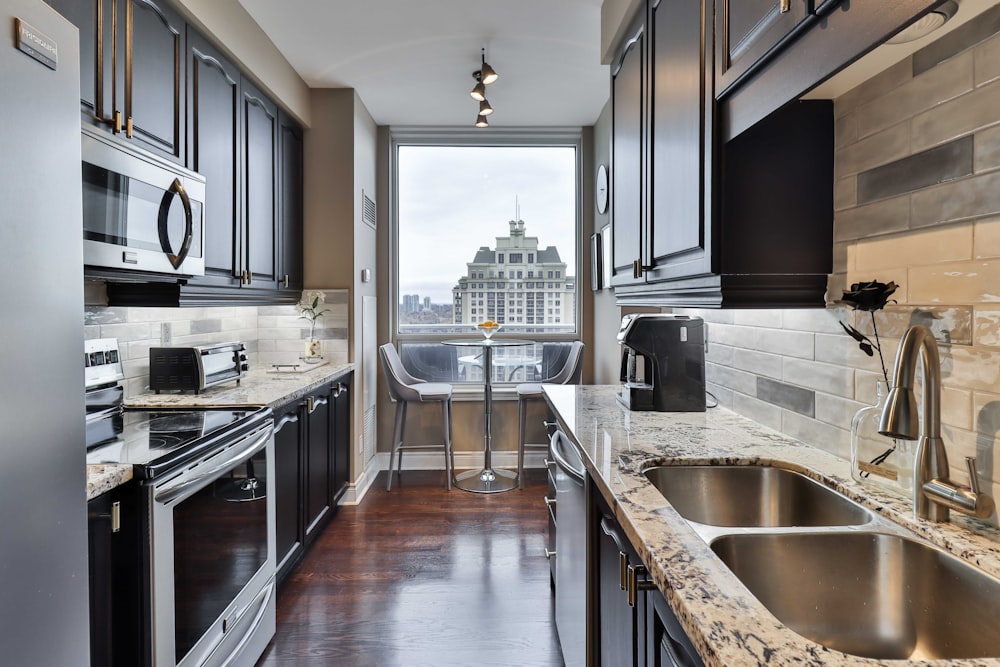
(398, 381)
(572, 369)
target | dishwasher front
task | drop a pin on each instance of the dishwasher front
(571, 550)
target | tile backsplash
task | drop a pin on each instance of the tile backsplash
(917, 199)
(273, 334)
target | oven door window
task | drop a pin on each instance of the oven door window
(220, 542)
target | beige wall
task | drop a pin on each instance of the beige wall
(242, 39)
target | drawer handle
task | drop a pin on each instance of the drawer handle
(550, 501)
(638, 268)
(785, 6)
(549, 554)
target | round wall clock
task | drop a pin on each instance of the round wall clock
(601, 189)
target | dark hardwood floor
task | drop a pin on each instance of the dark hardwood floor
(424, 576)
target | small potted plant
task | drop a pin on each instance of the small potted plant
(311, 308)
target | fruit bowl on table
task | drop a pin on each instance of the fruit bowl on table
(488, 328)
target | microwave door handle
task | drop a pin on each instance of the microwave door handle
(164, 218)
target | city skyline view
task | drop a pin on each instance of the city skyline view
(454, 200)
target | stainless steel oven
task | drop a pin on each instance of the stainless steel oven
(205, 523)
(212, 553)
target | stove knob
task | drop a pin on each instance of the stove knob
(244, 367)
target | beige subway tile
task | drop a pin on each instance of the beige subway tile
(946, 81)
(824, 377)
(758, 363)
(962, 199)
(885, 146)
(737, 380)
(970, 368)
(787, 343)
(845, 193)
(897, 275)
(956, 407)
(835, 286)
(842, 350)
(845, 130)
(841, 257)
(986, 150)
(925, 246)
(816, 320)
(987, 326)
(987, 238)
(986, 413)
(987, 56)
(833, 439)
(757, 410)
(762, 317)
(866, 386)
(881, 217)
(958, 117)
(969, 282)
(719, 354)
(730, 334)
(836, 410)
(876, 86)
(722, 394)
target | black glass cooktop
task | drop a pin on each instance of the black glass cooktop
(158, 438)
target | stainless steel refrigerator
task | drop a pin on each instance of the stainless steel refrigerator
(43, 517)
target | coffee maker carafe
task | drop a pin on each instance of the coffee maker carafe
(663, 362)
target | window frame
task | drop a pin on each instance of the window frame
(498, 137)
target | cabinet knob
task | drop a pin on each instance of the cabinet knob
(286, 281)
(128, 127)
(785, 6)
(117, 121)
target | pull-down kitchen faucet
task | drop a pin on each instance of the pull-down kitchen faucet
(933, 492)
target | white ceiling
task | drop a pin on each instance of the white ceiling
(411, 61)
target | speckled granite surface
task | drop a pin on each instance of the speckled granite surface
(259, 387)
(102, 478)
(726, 623)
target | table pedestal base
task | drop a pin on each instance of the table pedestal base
(487, 480)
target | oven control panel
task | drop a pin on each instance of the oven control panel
(102, 361)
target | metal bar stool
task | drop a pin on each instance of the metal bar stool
(531, 391)
(405, 389)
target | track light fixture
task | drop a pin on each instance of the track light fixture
(483, 76)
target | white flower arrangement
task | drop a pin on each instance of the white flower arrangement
(310, 308)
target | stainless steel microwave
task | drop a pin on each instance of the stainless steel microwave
(140, 212)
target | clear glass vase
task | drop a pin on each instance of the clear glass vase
(878, 460)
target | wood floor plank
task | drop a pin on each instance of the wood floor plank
(423, 576)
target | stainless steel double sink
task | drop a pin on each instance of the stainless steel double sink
(831, 570)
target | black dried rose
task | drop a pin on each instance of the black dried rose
(869, 296)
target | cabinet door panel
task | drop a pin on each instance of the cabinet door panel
(215, 120)
(260, 117)
(627, 173)
(678, 135)
(287, 472)
(341, 434)
(290, 205)
(151, 76)
(317, 476)
(748, 30)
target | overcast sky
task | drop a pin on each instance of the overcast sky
(455, 199)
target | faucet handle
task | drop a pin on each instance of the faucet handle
(970, 465)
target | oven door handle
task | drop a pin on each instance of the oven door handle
(252, 630)
(237, 453)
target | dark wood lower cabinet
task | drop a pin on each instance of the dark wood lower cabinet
(113, 573)
(312, 446)
(632, 624)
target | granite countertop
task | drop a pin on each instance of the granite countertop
(259, 387)
(725, 622)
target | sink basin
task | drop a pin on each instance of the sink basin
(869, 594)
(753, 496)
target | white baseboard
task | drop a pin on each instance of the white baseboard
(533, 458)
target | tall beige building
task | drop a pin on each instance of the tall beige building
(517, 283)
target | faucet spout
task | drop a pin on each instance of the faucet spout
(933, 491)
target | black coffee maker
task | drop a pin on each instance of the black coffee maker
(663, 363)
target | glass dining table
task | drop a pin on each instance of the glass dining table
(488, 480)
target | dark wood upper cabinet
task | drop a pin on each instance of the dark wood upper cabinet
(290, 203)
(150, 76)
(628, 94)
(215, 131)
(260, 230)
(747, 30)
(711, 223)
(132, 70)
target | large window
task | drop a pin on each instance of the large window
(467, 213)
